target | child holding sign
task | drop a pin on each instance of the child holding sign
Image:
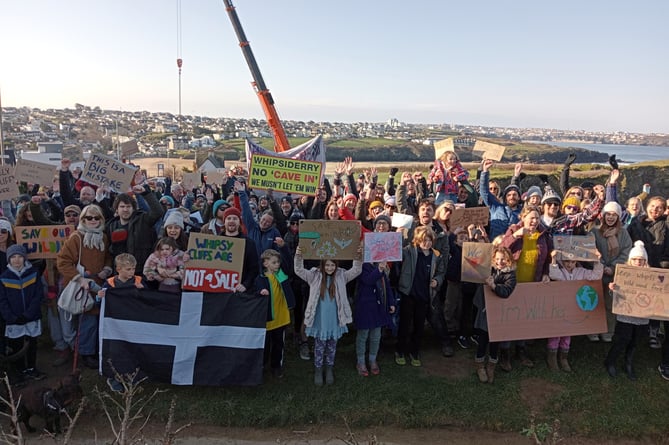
(328, 310)
(628, 329)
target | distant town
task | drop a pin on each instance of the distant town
(143, 133)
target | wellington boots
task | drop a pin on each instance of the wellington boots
(318, 376)
(551, 359)
(505, 359)
(481, 371)
(564, 361)
(329, 375)
(629, 369)
(490, 370)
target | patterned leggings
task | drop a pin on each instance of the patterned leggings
(324, 349)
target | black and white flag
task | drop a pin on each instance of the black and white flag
(192, 338)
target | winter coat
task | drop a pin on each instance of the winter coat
(557, 273)
(505, 283)
(501, 215)
(408, 272)
(263, 239)
(576, 224)
(314, 276)
(624, 243)
(655, 237)
(93, 260)
(544, 244)
(373, 299)
(21, 294)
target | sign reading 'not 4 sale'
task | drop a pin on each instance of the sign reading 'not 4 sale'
(215, 263)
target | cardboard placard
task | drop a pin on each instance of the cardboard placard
(323, 239)
(471, 215)
(576, 248)
(476, 262)
(283, 174)
(490, 151)
(8, 187)
(401, 220)
(34, 172)
(216, 177)
(43, 241)
(546, 310)
(382, 246)
(442, 147)
(74, 154)
(191, 180)
(215, 264)
(103, 170)
(641, 292)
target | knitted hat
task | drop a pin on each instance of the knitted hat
(385, 218)
(6, 225)
(174, 217)
(391, 201)
(16, 249)
(232, 211)
(296, 216)
(24, 198)
(550, 195)
(587, 185)
(349, 197)
(638, 251)
(169, 200)
(534, 190)
(571, 201)
(219, 203)
(612, 207)
(72, 208)
(374, 204)
(511, 188)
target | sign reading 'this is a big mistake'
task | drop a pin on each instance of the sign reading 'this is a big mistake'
(215, 263)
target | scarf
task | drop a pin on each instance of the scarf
(93, 238)
(611, 235)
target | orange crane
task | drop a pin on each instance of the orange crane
(266, 100)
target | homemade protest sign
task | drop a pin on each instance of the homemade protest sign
(442, 147)
(328, 240)
(215, 263)
(545, 310)
(401, 220)
(641, 292)
(490, 151)
(216, 177)
(191, 180)
(293, 176)
(43, 241)
(34, 172)
(193, 338)
(576, 248)
(471, 215)
(8, 188)
(476, 259)
(74, 154)
(382, 246)
(103, 170)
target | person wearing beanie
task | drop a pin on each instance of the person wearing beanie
(262, 229)
(614, 243)
(174, 217)
(350, 201)
(533, 196)
(6, 226)
(167, 201)
(382, 223)
(628, 328)
(576, 217)
(571, 205)
(502, 213)
(587, 187)
(21, 295)
(174, 226)
(550, 206)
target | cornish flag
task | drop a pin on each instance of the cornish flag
(192, 338)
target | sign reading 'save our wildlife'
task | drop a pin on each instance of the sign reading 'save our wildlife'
(103, 170)
(43, 241)
(641, 292)
(576, 248)
(490, 151)
(34, 172)
(382, 246)
(326, 240)
(8, 188)
(545, 310)
(215, 263)
(463, 217)
(282, 174)
(442, 147)
(476, 259)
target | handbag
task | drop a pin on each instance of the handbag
(74, 299)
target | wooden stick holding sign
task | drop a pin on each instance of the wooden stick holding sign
(576, 248)
(641, 292)
(545, 310)
(327, 240)
(490, 151)
(103, 170)
(479, 216)
(215, 263)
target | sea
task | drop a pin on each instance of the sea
(625, 154)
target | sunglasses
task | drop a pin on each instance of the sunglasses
(553, 204)
(71, 214)
(92, 218)
(294, 223)
(166, 204)
(4, 231)
(574, 208)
